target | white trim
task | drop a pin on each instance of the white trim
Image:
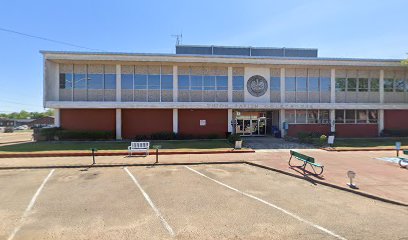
(118, 82)
(229, 84)
(175, 120)
(282, 85)
(175, 83)
(230, 120)
(380, 121)
(57, 117)
(282, 119)
(332, 119)
(333, 85)
(381, 83)
(222, 105)
(118, 124)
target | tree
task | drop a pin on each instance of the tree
(28, 115)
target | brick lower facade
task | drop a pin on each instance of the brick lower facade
(88, 119)
(136, 122)
(396, 119)
(356, 130)
(216, 122)
(294, 129)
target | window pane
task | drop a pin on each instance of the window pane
(374, 85)
(340, 84)
(209, 82)
(167, 82)
(325, 84)
(65, 80)
(324, 116)
(399, 85)
(363, 84)
(300, 116)
(183, 82)
(290, 84)
(196, 82)
(275, 83)
(351, 84)
(127, 81)
(301, 84)
(153, 82)
(238, 83)
(290, 116)
(361, 116)
(222, 82)
(339, 116)
(80, 81)
(312, 116)
(372, 116)
(350, 116)
(388, 85)
(140, 81)
(313, 84)
(95, 81)
(110, 81)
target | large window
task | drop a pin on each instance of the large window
(290, 84)
(183, 82)
(222, 83)
(388, 85)
(313, 84)
(351, 84)
(307, 116)
(301, 84)
(340, 84)
(127, 81)
(80, 81)
(363, 84)
(140, 82)
(325, 84)
(65, 80)
(153, 82)
(167, 82)
(374, 85)
(275, 84)
(399, 85)
(196, 82)
(110, 81)
(356, 116)
(237, 83)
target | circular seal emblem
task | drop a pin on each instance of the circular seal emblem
(257, 85)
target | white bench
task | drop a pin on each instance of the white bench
(139, 147)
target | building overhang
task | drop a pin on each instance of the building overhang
(226, 105)
(63, 57)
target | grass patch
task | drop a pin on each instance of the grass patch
(370, 143)
(85, 146)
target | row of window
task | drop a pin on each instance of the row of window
(200, 82)
(307, 116)
(395, 85)
(87, 81)
(147, 82)
(357, 84)
(307, 84)
(356, 116)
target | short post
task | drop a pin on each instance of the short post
(397, 147)
(93, 155)
(351, 175)
(157, 147)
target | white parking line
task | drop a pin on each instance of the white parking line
(159, 215)
(30, 206)
(269, 204)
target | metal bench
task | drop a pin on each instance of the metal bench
(306, 160)
(139, 147)
(403, 162)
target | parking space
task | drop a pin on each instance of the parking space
(185, 202)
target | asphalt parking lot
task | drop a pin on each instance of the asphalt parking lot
(231, 201)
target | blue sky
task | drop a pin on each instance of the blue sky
(338, 28)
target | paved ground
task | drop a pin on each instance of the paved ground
(15, 137)
(268, 142)
(376, 177)
(234, 201)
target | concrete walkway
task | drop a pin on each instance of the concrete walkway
(375, 177)
(268, 142)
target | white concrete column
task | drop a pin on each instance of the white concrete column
(175, 84)
(380, 121)
(118, 124)
(229, 121)
(282, 85)
(118, 83)
(333, 86)
(332, 119)
(282, 119)
(175, 120)
(57, 117)
(229, 84)
(381, 86)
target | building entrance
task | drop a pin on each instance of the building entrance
(250, 123)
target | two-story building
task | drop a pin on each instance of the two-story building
(203, 90)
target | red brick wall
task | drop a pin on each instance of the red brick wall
(396, 119)
(294, 129)
(88, 119)
(146, 121)
(356, 130)
(216, 121)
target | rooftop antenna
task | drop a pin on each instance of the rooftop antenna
(179, 38)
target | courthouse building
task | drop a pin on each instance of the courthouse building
(207, 90)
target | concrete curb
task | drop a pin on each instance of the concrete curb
(359, 149)
(119, 153)
(364, 194)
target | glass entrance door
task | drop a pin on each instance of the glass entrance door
(251, 124)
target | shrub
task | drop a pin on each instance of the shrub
(323, 140)
(234, 137)
(213, 136)
(8, 130)
(163, 136)
(84, 135)
(394, 133)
